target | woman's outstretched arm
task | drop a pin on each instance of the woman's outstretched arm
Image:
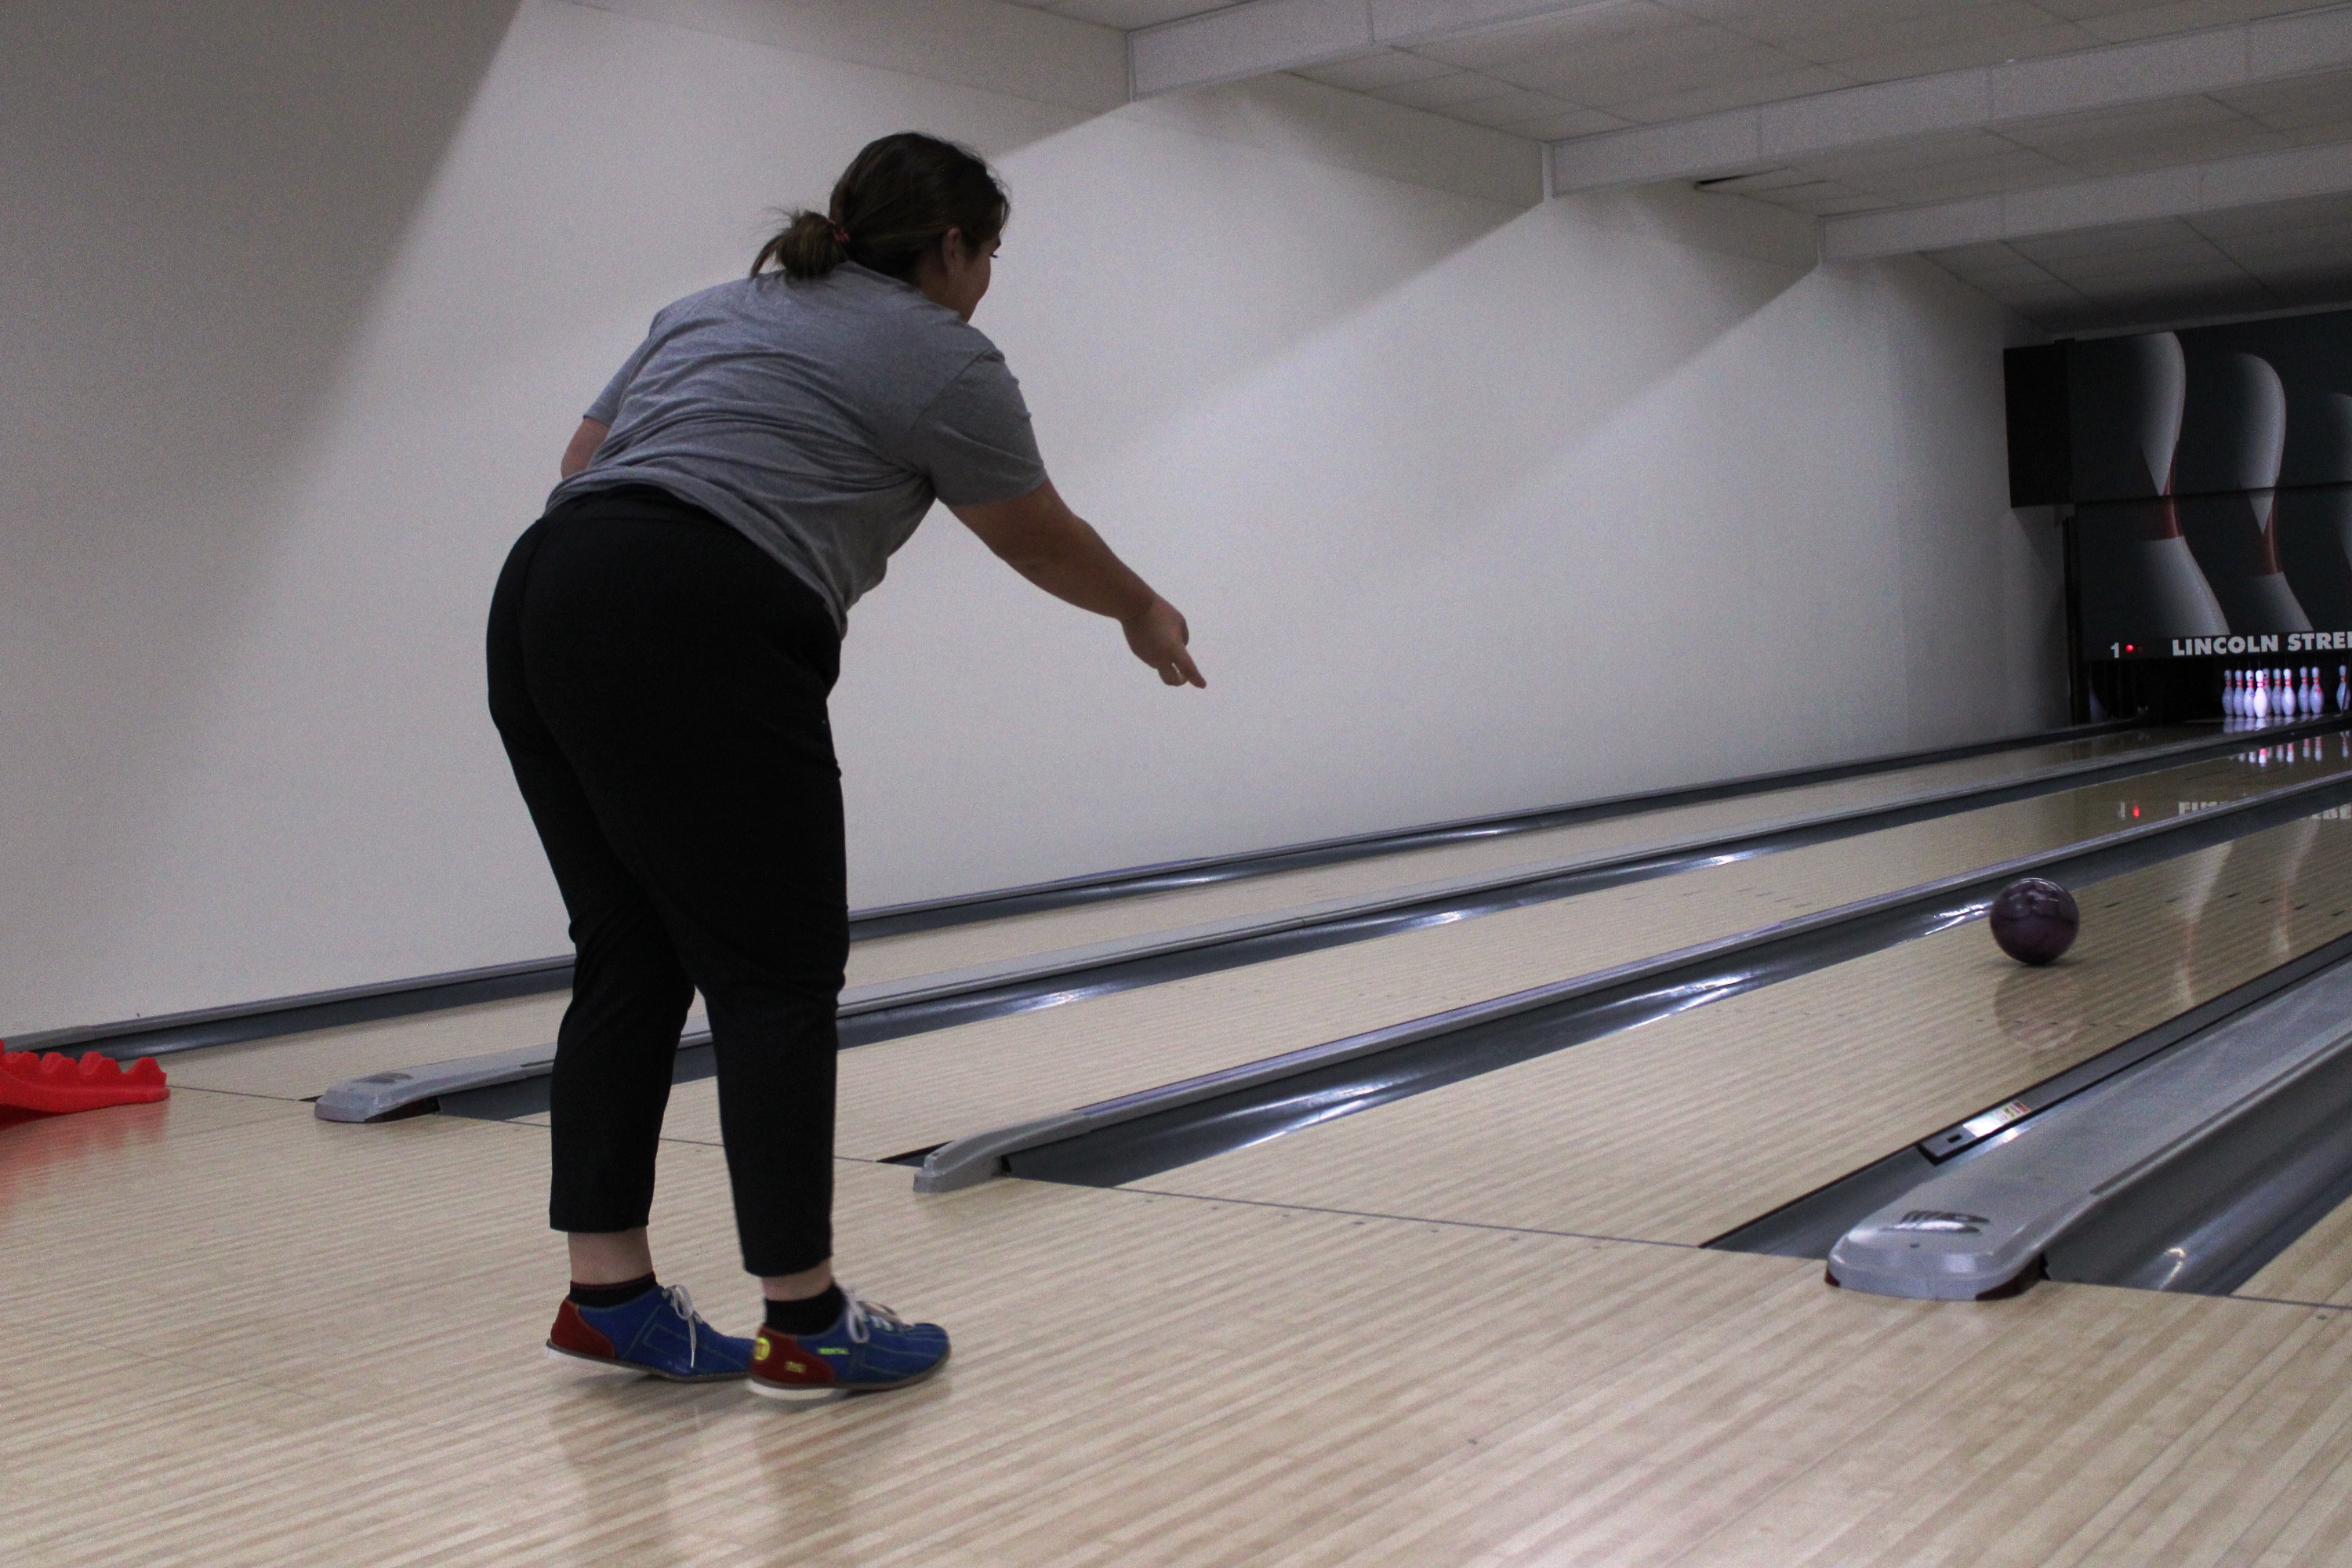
(1040, 537)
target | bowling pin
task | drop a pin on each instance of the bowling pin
(2139, 576)
(2229, 694)
(2261, 704)
(2232, 437)
(2343, 688)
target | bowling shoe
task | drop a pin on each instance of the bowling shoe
(659, 1334)
(869, 1349)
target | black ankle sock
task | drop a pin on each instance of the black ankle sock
(610, 1295)
(812, 1316)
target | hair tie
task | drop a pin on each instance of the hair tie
(840, 234)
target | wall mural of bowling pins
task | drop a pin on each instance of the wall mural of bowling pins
(2225, 477)
(2211, 477)
(2313, 526)
(2139, 576)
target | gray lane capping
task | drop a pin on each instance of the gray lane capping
(1136, 1135)
(2187, 1173)
(162, 1034)
(918, 1003)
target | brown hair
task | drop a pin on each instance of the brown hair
(891, 207)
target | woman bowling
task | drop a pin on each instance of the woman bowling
(661, 645)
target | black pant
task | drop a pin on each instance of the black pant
(660, 684)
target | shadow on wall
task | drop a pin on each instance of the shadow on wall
(1246, 220)
(215, 190)
(1406, 534)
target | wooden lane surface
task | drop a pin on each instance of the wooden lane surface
(1686, 1128)
(296, 1066)
(2317, 1268)
(233, 1335)
(907, 1094)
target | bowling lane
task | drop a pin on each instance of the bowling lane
(295, 1066)
(1686, 1128)
(917, 1092)
(1014, 937)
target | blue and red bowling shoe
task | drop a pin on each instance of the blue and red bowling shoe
(869, 1349)
(659, 1334)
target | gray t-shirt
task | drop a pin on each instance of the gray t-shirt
(820, 417)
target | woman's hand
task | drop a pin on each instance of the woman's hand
(1157, 635)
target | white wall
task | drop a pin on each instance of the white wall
(1474, 503)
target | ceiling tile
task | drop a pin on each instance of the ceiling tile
(2052, 250)
(1567, 122)
(1761, 181)
(2277, 217)
(2326, 95)
(1511, 105)
(1367, 73)
(1127, 14)
(1960, 54)
(1732, 92)
(2170, 117)
(1613, 27)
(1993, 254)
(2120, 23)
(1441, 92)
(1855, 203)
(2126, 153)
(2141, 272)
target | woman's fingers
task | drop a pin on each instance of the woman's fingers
(1158, 637)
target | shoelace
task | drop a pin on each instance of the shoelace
(683, 1305)
(864, 1314)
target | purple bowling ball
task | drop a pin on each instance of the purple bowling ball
(2034, 919)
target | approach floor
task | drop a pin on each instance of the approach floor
(233, 1335)
(2318, 1269)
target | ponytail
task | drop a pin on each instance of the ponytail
(803, 247)
(892, 207)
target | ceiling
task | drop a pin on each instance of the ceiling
(1592, 70)
(2270, 258)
